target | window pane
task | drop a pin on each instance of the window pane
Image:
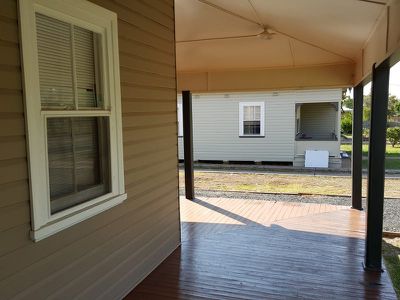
(248, 113)
(251, 127)
(251, 113)
(61, 158)
(67, 54)
(86, 141)
(78, 160)
(257, 112)
(55, 62)
(84, 51)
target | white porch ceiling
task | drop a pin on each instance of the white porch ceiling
(222, 34)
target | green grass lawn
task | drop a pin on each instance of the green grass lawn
(391, 255)
(390, 164)
(390, 151)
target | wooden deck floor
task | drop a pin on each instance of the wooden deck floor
(255, 249)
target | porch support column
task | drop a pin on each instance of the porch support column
(376, 170)
(356, 153)
(188, 143)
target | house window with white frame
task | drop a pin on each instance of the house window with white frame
(73, 110)
(251, 119)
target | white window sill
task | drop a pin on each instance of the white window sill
(251, 136)
(58, 225)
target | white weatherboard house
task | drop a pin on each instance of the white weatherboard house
(264, 126)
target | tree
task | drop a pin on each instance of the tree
(367, 108)
(346, 123)
(397, 107)
(347, 102)
(393, 106)
(393, 135)
(393, 109)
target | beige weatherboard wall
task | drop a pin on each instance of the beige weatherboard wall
(106, 255)
(216, 134)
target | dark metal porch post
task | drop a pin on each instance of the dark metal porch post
(188, 143)
(376, 170)
(356, 154)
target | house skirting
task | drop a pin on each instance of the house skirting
(334, 162)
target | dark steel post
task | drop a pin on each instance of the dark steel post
(376, 170)
(356, 154)
(188, 143)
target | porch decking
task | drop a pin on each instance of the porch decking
(255, 249)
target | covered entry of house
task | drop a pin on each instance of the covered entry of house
(89, 194)
(276, 46)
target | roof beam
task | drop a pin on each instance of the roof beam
(256, 13)
(299, 77)
(228, 11)
(217, 38)
(373, 2)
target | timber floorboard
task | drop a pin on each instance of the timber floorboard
(256, 249)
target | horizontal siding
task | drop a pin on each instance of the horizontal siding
(129, 11)
(15, 191)
(315, 96)
(318, 120)
(105, 256)
(14, 194)
(333, 147)
(216, 129)
(216, 125)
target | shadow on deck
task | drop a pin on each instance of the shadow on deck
(256, 249)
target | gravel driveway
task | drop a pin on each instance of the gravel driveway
(391, 218)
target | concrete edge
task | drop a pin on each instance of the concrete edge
(391, 234)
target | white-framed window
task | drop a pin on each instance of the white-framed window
(180, 120)
(251, 119)
(73, 111)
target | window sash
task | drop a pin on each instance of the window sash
(251, 127)
(95, 137)
(252, 112)
(69, 67)
(251, 119)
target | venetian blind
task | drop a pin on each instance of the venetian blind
(84, 53)
(55, 62)
(73, 154)
(67, 68)
(77, 156)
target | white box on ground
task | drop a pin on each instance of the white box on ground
(317, 159)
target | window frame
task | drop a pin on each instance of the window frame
(103, 22)
(242, 105)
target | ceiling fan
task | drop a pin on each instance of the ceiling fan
(267, 33)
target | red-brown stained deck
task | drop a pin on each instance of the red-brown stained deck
(256, 249)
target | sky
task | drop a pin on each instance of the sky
(394, 82)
